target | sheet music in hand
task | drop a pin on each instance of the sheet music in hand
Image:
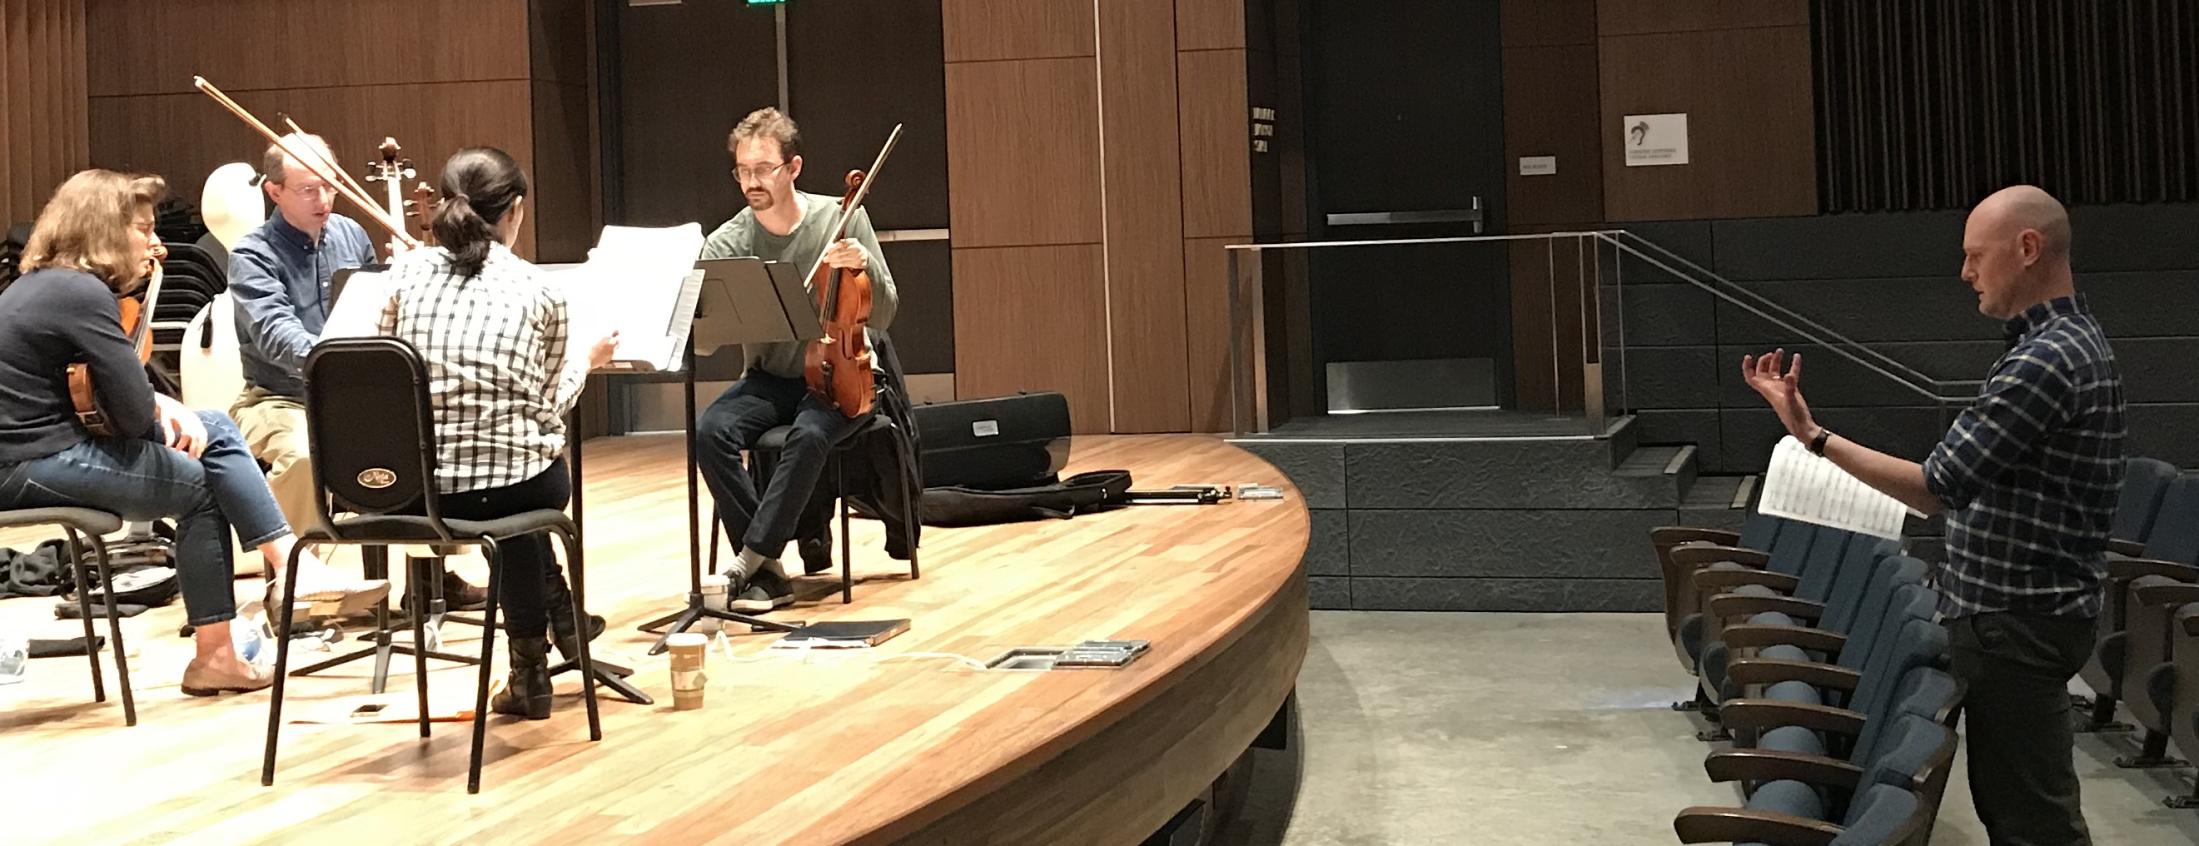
(642, 283)
(1810, 488)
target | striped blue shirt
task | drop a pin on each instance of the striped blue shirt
(2030, 472)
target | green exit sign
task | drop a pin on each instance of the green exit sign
(767, 2)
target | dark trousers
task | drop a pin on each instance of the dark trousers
(213, 496)
(525, 563)
(2016, 669)
(756, 404)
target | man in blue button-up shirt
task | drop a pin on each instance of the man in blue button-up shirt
(279, 276)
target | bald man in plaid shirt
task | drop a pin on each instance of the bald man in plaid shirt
(2028, 477)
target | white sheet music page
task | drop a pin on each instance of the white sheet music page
(358, 313)
(1802, 486)
(641, 282)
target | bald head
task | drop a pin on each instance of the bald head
(2015, 250)
(303, 199)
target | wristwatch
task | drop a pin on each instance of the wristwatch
(1817, 444)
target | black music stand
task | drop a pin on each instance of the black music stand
(743, 301)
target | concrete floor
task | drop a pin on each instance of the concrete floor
(1548, 728)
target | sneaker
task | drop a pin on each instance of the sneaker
(766, 589)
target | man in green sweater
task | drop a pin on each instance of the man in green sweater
(780, 224)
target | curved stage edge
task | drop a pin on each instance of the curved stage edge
(898, 744)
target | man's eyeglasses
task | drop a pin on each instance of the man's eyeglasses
(757, 173)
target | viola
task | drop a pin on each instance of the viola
(837, 367)
(133, 302)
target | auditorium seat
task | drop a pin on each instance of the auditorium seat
(1833, 699)
(1757, 530)
(1790, 790)
(2145, 482)
(1776, 567)
(2184, 722)
(1797, 629)
(2173, 548)
(1854, 554)
(2149, 673)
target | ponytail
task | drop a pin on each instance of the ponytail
(480, 186)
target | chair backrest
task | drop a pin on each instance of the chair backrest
(2145, 481)
(2174, 535)
(1920, 642)
(1845, 595)
(1792, 546)
(371, 427)
(1758, 529)
(1909, 752)
(1823, 564)
(1869, 620)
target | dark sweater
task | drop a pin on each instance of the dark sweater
(49, 319)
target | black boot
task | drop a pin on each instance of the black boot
(527, 694)
(562, 631)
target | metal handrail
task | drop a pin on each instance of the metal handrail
(1613, 237)
(1724, 289)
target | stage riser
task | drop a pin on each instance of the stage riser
(1522, 525)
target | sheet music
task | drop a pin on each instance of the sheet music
(358, 313)
(1807, 487)
(642, 282)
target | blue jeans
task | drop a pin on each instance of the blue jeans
(141, 479)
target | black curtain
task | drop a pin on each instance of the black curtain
(1931, 104)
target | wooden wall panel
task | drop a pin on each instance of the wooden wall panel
(1025, 319)
(1206, 318)
(1214, 119)
(1547, 23)
(992, 30)
(1638, 17)
(1551, 108)
(563, 210)
(44, 129)
(1023, 152)
(185, 136)
(1210, 24)
(244, 45)
(1143, 216)
(1751, 122)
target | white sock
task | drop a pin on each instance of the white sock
(745, 564)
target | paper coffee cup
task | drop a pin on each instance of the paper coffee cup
(688, 649)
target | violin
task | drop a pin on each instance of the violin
(133, 303)
(419, 212)
(837, 367)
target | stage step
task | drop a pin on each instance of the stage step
(1719, 502)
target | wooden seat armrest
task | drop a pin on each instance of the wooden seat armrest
(1767, 714)
(1703, 555)
(1758, 636)
(2118, 546)
(1759, 765)
(1737, 606)
(1774, 671)
(1667, 537)
(2170, 595)
(1704, 824)
(1709, 581)
(2130, 569)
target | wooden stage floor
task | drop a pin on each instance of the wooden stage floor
(899, 743)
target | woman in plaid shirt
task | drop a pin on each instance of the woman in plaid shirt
(492, 332)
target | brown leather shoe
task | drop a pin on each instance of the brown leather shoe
(201, 680)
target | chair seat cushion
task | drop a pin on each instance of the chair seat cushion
(87, 520)
(1792, 739)
(1788, 797)
(405, 528)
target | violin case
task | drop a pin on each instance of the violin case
(994, 444)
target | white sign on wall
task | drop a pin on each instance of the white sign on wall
(1654, 139)
(1538, 165)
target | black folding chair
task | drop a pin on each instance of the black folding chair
(384, 473)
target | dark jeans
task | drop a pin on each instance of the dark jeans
(2016, 670)
(143, 480)
(525, 563)
(756, 404)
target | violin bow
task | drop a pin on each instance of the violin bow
(337, 180)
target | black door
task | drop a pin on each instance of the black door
(1406, 140)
